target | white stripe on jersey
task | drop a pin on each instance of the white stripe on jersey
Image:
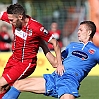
(9, 77)
(23, 50)
(25, 71)
(51, 37)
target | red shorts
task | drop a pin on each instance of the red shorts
(16, 69)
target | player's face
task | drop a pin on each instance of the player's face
(83, 33)
(15, 20)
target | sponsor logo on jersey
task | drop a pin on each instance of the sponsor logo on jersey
(21, 34)
(80, 54)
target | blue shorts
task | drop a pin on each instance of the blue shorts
(56, 85)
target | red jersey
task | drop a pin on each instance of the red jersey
(26, 41)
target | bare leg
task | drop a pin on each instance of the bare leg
(36, 85)
(3, 82)
(67, 96)
(3, 86)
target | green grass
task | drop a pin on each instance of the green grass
(89, 89)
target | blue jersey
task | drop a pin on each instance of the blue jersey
(80, 58)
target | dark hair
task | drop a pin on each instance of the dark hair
(16, 9)
(91, 26)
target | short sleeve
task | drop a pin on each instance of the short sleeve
(4, 16)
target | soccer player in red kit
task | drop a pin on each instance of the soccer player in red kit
(27, 38)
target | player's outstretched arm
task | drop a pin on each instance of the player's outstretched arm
(60, 68)
(51, 58)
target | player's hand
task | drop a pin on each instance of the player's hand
(60, 70)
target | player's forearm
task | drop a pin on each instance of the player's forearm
(43, 45)
(58, 53)
(52, 59)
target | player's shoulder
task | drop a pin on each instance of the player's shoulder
(35, 23)
(94, 46)
(74, 43)
(94, 49)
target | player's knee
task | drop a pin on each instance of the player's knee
(67, 96)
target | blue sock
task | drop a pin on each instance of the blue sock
(13, 93)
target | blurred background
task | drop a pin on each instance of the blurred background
(62, 18)
(66, 13)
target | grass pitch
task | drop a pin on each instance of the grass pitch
(89, 89)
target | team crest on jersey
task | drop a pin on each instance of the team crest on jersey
(91, 51)
(41, 29)
(29, 32)
(80, 54)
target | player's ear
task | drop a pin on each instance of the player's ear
(89, 32)
(20, 17)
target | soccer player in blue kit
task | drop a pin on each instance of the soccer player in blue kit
(78, 59)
